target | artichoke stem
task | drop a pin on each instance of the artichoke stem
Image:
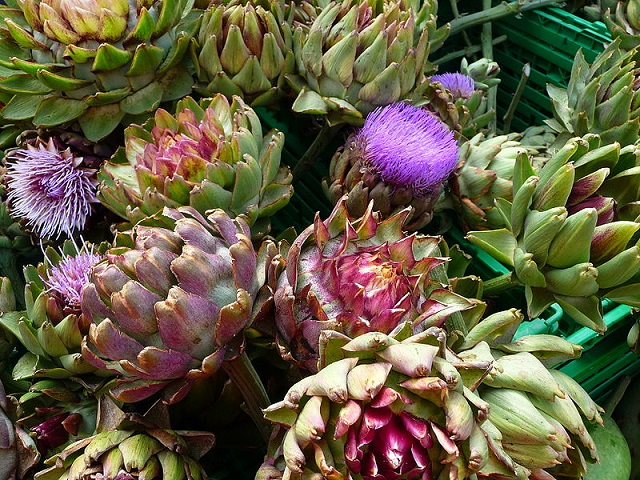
(467, 51)
(503, 10)
(9, 269)
(526, 73)
(495, 286)
(486, 40)
(243, 374)
(454, 322)
(320, 143)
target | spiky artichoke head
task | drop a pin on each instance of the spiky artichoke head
(171, 301)
(354, 58)
(208, 155)
(96, 62)
(399, 159)
(243, 49)
(356, 276)
(52, 326)
(570, 229)
(602, 98)
(410, 407)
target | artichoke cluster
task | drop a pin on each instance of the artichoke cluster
(165, 308)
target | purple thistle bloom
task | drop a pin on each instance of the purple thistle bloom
(460, 85)
(408, 147)
(70, 275)
(50, 189)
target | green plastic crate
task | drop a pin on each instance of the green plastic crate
(548, 40)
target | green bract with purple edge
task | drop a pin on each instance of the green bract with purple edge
(399, 158)
(171, 301)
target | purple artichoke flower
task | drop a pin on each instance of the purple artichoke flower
(67, 279)
(408, 147)
(460, 85)
(50, 188)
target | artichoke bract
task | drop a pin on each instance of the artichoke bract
(245, 50)
(570, 234)
(357, 276)
(402, 407)
(624, 23)
(96, 62)
(171, 301)
(399, 159)
(354, 58)
(208, 155)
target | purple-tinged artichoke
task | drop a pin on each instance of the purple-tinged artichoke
(52, 325)
(357, 276)
(401, 407)
(94, 62)
(400, 158)
(170, 302)
(459, 85)
(570, 234)
(624, 23)
(245, 50)
(208, 155)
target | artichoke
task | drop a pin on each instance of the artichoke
(209, 155)
(410, 407)
(570, 230)
(601, 98)
(94, 62)
(355, 57)
(127, 446)
(52, 326)
(244, 50)
(170, 302)
(357, 276)
(624, 24)
(400, 158)
(484, 173)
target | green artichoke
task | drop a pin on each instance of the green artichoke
(570, 230)
(601, 98)
(356, 276)
(208, 155)
(95, 62)
(484, 173)
(355, 57)
(127, 446)
(245, 50)
(401, 407)
(624, 23)
(170, 302)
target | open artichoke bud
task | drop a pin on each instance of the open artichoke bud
(97, 62)
(570, 230)
(356, 276)
(170, 302)
(601, 98)
(354, 58)
(409, 407)
(52, 326)
(208, 155)
(243, 49)
(399, 159)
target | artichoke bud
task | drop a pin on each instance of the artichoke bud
(610, 239)
(556, 191)
(579, 280)
(620, 268)
(540, 228)
(527, 270)
(572, 243)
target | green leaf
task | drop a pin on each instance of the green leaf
(22, 107)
